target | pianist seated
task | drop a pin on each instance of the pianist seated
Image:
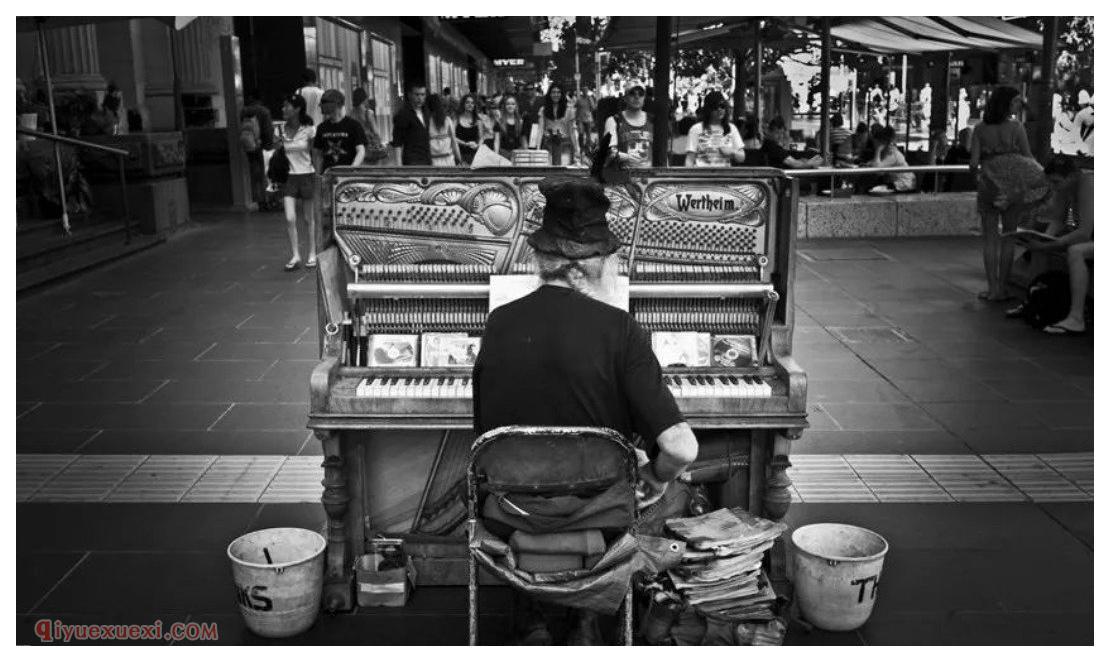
(561, 357)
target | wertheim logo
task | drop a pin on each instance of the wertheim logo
(704, 202)
(743, 203)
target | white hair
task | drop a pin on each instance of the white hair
(579, 272)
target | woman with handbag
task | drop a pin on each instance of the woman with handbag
(1010, 183)
(300, 183)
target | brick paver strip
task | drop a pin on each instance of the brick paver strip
(1064, 477)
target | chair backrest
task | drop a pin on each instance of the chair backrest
(547, 459)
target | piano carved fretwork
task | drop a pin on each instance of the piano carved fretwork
(415, 248)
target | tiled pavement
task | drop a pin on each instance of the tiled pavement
(61, 478)
(160, 413)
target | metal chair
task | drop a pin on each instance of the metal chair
(544, 460)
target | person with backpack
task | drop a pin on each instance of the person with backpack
(443, 145)
(297, 136)
(256, 135)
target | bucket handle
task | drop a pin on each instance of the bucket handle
(832, 562)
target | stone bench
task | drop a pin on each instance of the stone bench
(901, 215)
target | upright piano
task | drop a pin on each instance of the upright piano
(413, 251)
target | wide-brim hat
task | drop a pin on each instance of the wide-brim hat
(574, 221)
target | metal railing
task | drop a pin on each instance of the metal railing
(66, 140)
(834, 173)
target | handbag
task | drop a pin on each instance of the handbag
(278, 170)
(279, 166)
(375, 149)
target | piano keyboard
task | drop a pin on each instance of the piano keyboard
(650, 271)
(459, 386)
(416, 387)
(717, 386)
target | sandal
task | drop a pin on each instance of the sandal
(1016, 312)
(311, 263)
(1057, 330)
(292, 265)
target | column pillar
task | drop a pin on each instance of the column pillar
(826, 73)
(74, 60)
(662, 81)
(1042, 144)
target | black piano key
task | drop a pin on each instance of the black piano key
(442, 380)
(733, 380)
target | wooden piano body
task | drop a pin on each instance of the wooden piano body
(413, 250)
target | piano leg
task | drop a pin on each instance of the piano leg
(776, 501)
(338, 574)
(776, 497)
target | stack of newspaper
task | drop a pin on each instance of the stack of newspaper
(721, 573)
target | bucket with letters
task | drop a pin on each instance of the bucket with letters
(836, 574)
(279, 576)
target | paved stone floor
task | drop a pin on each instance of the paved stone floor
(964, 438)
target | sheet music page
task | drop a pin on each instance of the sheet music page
(510, 287)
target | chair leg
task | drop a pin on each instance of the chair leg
(472, 599)
(628, 617)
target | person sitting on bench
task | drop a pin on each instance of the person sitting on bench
(887, 155)
(1077, 191)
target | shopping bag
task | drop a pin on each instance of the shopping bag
(487, 158)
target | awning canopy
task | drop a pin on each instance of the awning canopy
(892, 34)
(920, 34)
(31, 23)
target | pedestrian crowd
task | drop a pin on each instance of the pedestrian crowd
(566, 127)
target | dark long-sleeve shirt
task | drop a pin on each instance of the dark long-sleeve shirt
(411, 135)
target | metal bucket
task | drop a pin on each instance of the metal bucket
(278, 596)
(836, 574)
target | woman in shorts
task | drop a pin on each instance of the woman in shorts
(296, 139)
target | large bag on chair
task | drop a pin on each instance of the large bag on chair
(1047, 299)
(562, 480)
